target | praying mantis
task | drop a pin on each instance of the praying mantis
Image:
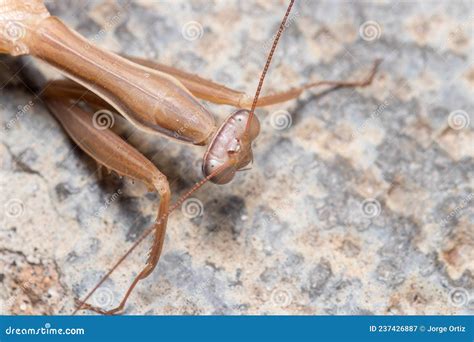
(153, 98)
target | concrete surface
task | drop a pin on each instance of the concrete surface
(358, 202)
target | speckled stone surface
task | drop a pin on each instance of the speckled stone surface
(359, 201)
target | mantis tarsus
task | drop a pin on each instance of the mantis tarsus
(155, 98)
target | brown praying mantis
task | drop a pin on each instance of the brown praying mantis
(154, 98)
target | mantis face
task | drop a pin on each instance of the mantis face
(231, 146)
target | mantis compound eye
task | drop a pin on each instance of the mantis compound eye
(231, 144)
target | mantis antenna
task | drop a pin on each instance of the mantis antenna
(267, 64)
(203, 181)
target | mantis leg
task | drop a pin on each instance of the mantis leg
(109, 150)
(214, 92)
(220, 94)
(153, 259)
(65, 88)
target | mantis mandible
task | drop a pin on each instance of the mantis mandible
(154, 98)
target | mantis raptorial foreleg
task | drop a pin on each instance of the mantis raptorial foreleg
(109, 150)
(151, 100)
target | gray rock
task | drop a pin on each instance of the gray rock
(358, 205)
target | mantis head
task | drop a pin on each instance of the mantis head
(231, 146)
